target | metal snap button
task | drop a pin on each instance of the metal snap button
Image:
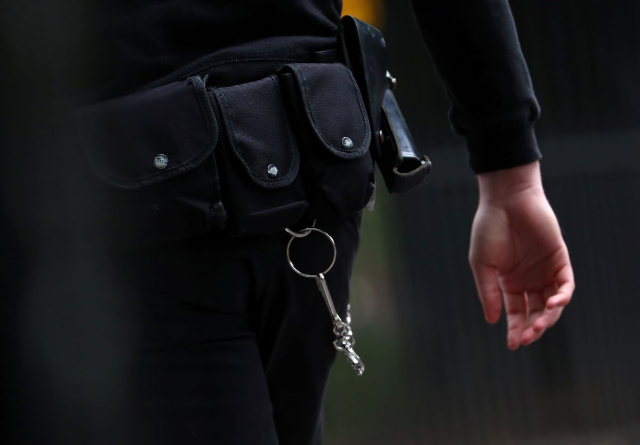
(160, 162)
(272, 171)
(347, 142)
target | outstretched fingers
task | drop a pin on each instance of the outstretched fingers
(536, 302)
(529, 314)
(565, 287)
(516, 308)
(557, 296)
(549, 316)
(488, 291)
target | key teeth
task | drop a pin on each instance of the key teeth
(358, 368)
(354, 360)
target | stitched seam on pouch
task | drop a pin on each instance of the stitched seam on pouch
(291, 149)
(228, 118)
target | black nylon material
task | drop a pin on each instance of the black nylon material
(256, 136)
(126, 200)
(262, 124)
(323, 105)
(331, 101)
(175, 120)
(258, 131)
(327, 106)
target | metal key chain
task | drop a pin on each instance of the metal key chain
(344, 341)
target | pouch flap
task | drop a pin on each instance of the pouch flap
(365, 53)
(333, 106)
(150, 136)
(258, 131)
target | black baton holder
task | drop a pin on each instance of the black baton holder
(364, 52)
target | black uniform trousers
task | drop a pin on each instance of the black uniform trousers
(210, 340)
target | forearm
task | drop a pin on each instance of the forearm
(477, 54)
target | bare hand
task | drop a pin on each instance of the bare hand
(517, 254)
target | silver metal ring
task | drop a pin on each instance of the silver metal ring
(302, 234)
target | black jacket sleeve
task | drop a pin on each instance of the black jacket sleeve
(477, 54)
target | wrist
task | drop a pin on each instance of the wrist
(503, 184)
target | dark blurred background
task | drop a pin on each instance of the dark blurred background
(437, 374)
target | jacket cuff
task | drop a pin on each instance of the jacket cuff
(498, 151)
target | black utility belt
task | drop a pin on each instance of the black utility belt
(254, 158)
(184, 158)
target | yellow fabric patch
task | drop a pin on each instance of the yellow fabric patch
(370, 11)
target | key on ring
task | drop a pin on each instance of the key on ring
(344, 341)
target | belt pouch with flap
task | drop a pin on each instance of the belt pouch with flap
(261, 189)
(153, 155)
(334, 133)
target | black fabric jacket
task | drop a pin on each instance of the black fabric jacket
(474, 45)
(84, 52)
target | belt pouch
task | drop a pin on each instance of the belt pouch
(335, 135)
(152, 153)
(261, 188)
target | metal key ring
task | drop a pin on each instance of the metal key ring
(302, 234)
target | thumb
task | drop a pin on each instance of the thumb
(488, 291)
